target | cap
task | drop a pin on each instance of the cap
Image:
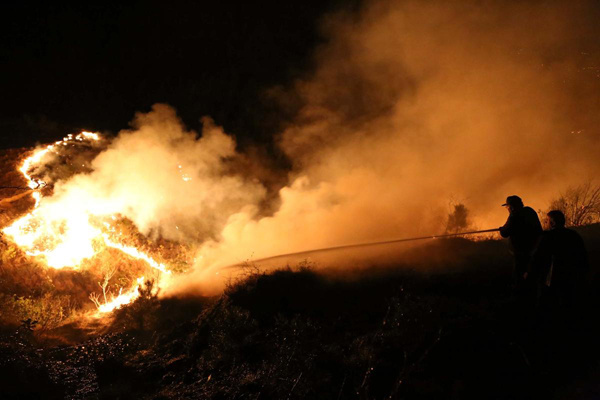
(513, 201)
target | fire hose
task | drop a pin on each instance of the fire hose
(350, 246)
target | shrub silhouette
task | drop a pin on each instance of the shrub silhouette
(580, 204)
(458, 219)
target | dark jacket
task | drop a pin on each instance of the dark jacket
(523, 229)
(562, 250)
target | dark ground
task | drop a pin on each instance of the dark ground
(418, 331)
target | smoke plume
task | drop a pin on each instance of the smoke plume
(414, 104)
(410, 105)
(164, 179)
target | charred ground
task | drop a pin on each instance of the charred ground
(442, 327)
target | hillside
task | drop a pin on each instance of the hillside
(418, 330)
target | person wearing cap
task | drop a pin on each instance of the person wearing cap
(524, 230)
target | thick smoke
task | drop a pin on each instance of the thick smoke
(162, 178)
(410, 104)
(413, 104)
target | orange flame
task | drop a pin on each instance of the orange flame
(67, 239)
(122, 298)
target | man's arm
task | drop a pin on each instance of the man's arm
(506, 230)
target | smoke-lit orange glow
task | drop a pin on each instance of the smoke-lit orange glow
(410, 107)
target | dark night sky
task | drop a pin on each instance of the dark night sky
(92, 66)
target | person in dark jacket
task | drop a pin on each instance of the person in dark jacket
(561, 261)
(524, 230)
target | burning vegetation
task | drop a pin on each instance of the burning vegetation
(69, 254)
(74, 236)
(115, 251)
(440, 326)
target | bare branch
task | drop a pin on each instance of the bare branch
(95, 299)
(108, 274)
(580, 204)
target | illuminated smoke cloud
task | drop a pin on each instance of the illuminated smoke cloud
(415, 103)
(164, 179)
(410, 104)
